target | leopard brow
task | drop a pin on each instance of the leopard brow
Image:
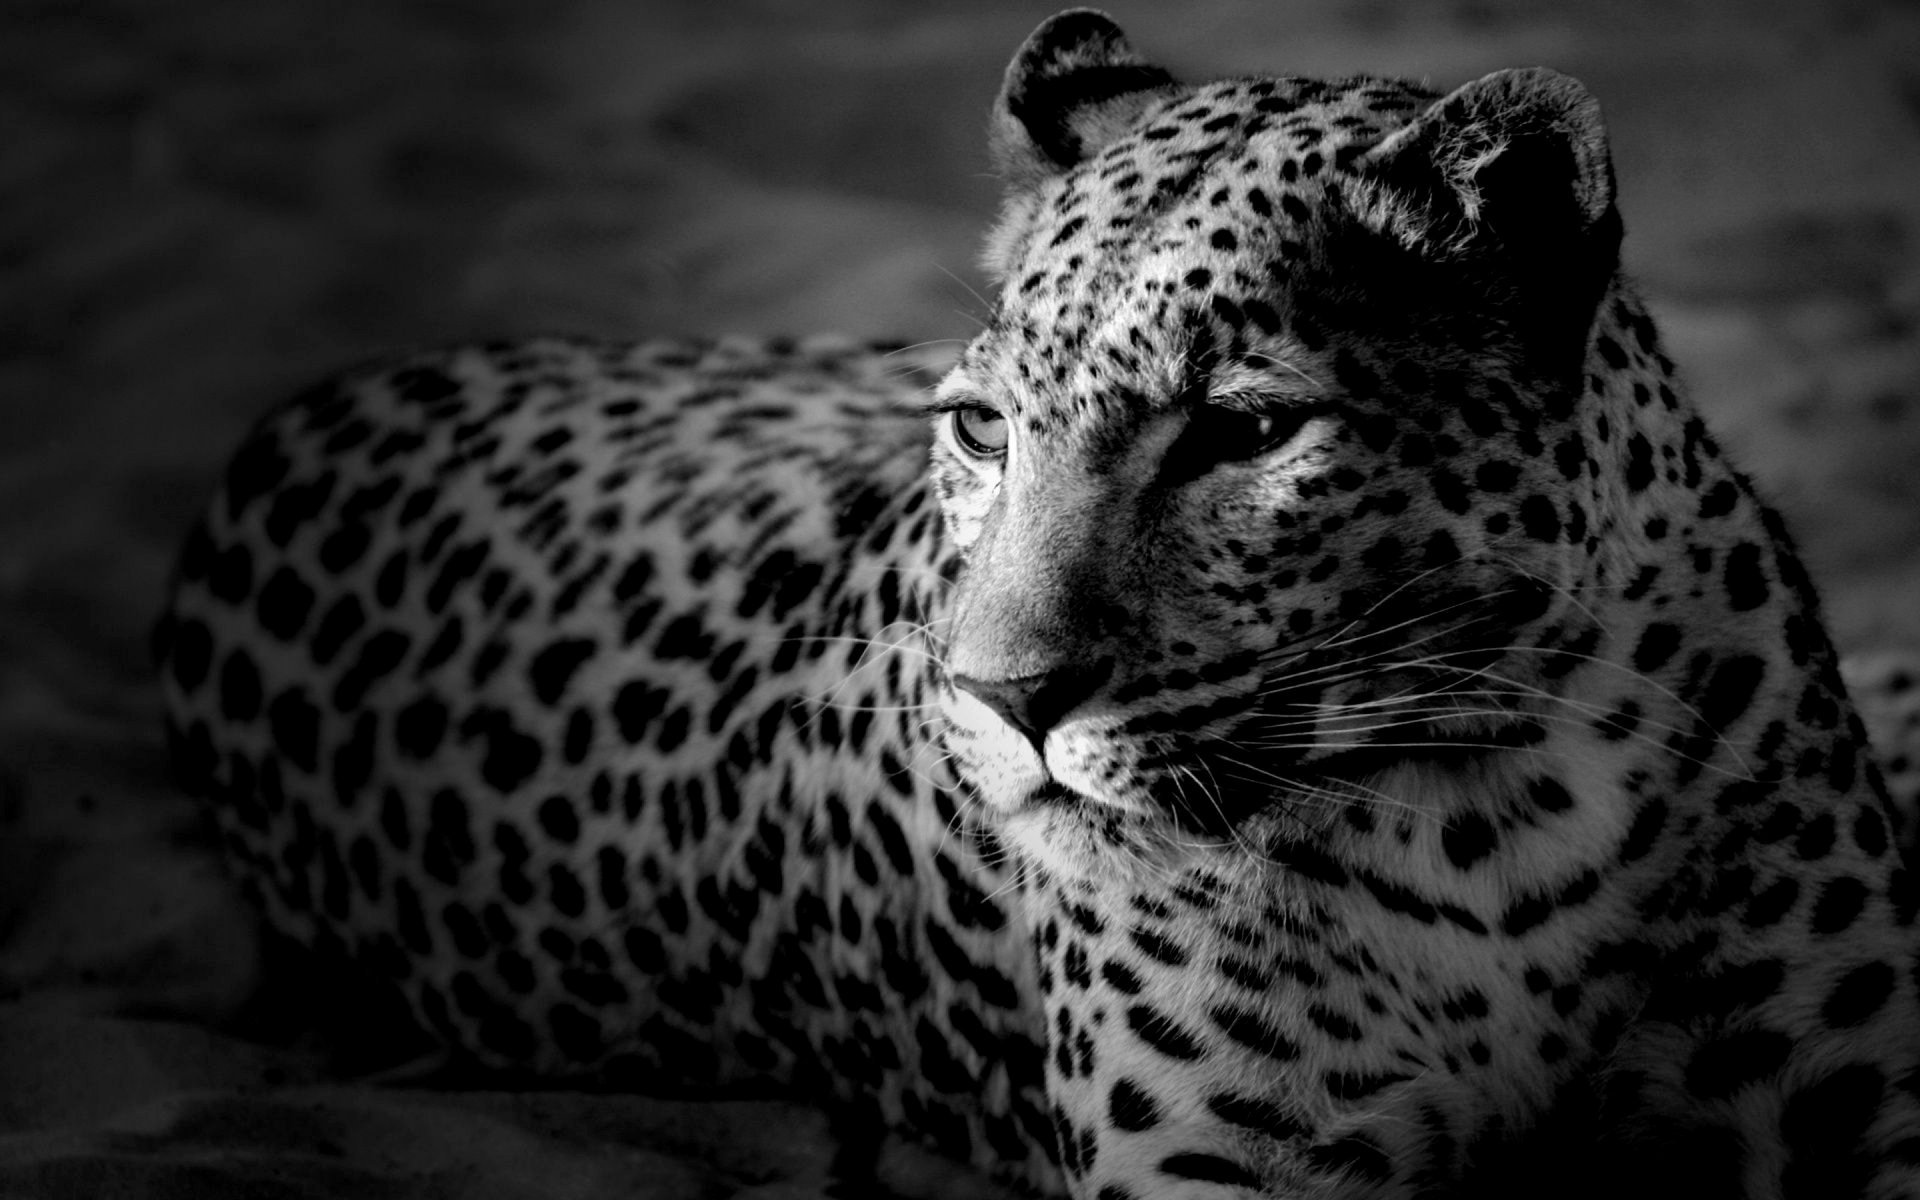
(932, 404)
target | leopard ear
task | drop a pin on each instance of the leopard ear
(1072, 87)
(1520, 156)
(1512, 170)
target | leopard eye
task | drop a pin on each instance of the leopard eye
(1233, 434)
(981, 431)
(1221, 433)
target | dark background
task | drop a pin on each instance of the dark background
(203, 205)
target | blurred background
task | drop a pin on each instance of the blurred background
(205, 204)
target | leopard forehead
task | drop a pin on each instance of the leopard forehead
(1192, 228)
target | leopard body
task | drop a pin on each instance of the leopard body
(1299, 705)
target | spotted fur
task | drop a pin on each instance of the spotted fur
(1313, 712)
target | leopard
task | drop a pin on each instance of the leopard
(1300, 704)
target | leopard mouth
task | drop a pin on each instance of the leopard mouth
(1054, 799)
(1053, 794)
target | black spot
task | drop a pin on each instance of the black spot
(240, 693)
(423, 385)
(353, 761)
(1130, 1108)
(1156, 947)
(1383, 555)
(1815, 838)
(1497, 476)
(511, 757)
(1745, 581)
(1160, 1031)
(644, 950)
(1334, 1024)
(448, 847)
(394, 822)
(1540, 519)
(283, 604)
(507, 1035)
(294, 506)
(1396, 897)
(1249, 1112)
(1648, 822)
(1251, 1031)
(1772, 903)
(1351, 1085)
(418, 728)
(939, 1067)
(563, 888)
(1639, 463)
(462, 564)
(1468, 839)
(1120, 978)
(1439, 550)
(1840, 902)
(612, 877)
(553, 667)
(1719, 994)
(1449, 489)
(1730, 691)
(1549, 794)
(1308, 860)
(634, 577)
(1208, 1168)
(1719, 500)
(578, 741)
(1859, 995)
(1870, 832)
(343, 620)
(295, 724)
(673, 729)
(1657, 643)
(1570, 455)
(558, 819)
(635, 706)
(468, 938)
(412, 921)
(391, 583)
(892, 841)
(1533, 910)
(363, 858)
(446, 643)
(1354, 1153)
(344, 547)
(378, 657)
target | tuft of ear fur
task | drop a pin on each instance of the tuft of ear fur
(1073, 86)
(1512, 170)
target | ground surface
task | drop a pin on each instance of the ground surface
(203, 205)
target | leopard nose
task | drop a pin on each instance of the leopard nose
(1034, 704)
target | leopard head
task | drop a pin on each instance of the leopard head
(1269, 454)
